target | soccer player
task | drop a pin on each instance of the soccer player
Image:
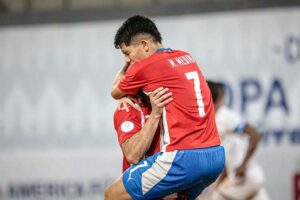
(129, 125)
(242, 178)
(191, 157)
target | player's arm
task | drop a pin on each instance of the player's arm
(116, 93)
(255, 137)
(136, 146)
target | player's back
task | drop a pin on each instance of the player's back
(188, 121)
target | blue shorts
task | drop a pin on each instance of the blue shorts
(188, 171)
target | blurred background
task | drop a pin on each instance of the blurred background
(57, 64)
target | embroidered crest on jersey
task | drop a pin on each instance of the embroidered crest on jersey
(127, 126)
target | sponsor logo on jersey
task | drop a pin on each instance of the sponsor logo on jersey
(127, 126)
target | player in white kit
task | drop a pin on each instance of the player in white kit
(242, 178)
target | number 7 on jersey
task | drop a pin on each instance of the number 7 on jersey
(195, 77)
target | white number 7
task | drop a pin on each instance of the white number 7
(194, 75)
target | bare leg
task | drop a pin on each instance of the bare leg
(175, 196)
(117, 191)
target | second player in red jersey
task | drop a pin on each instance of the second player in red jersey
(128, 123)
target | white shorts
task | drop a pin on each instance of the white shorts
(239, 190)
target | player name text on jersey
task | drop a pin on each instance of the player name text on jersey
(181, 61)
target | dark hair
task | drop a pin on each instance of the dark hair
(133, 26)
(216, 89)
(144, 98)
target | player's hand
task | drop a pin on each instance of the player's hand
(126, 66)
(240, 172)
(121, 73)
(123, 103)
(159, 98)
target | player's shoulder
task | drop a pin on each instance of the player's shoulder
(121, 112)
(225, 111)
(226, 115)
(180, 51)
(160, 56)
(229, 119)
(122, 109)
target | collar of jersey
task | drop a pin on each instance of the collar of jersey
(163, 50)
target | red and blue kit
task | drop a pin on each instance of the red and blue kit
(191, 157)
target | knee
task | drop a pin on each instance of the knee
(116, 191)
(108, 193)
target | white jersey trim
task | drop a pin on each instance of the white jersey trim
(165, 137)
(142, 118)
(157, 171)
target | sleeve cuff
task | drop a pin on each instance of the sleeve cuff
(240, 127)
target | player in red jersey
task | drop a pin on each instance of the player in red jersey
(129, 123)
(191, 157)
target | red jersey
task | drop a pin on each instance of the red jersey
(189, 120)
(129, 123)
